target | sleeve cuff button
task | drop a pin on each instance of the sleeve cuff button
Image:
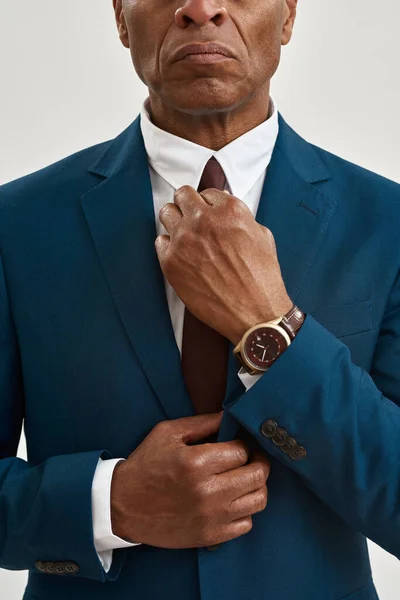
(297, 453)
(269, 428)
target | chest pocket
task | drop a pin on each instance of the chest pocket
(344, 320)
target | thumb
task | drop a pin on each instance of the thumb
(193, 429)
(161, 245)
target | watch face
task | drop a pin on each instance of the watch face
(263, 346)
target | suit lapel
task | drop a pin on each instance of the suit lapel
(120, 215)
(295, 210)
(298, 215)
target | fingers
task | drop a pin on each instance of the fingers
(170, 215)
(195, 428)
(220, 457)
(259, 456)
(232, 530)
(243, 480)
(188, 200)
(249, 504)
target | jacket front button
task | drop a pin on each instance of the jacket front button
(269, 428)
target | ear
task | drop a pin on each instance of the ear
(289, 17)
(121, 23)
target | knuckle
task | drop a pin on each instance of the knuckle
(243, 451)
(259, 477)
(166, 207)
(183, 189)
(248, 523)
(235, 205)
(271, 238)
(267, 231)
(263, 461)
(161, 426)
(228, 509)
(187, 467)
(197, 217)
(197, 462)
(262, 499)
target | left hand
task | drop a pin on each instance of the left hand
(222, 264)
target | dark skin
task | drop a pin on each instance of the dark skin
(172, 494)
(221, 263)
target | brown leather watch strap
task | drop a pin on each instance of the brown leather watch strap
(292, 321)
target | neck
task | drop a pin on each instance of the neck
(211, 130)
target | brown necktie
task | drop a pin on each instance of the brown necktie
(204, 350)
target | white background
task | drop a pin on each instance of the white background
(67, 83)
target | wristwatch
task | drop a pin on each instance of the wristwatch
(262, 344)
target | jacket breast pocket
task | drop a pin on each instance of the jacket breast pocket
(344, 320)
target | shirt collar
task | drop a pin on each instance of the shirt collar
(181, 162)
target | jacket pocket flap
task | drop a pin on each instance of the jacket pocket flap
(345, 319)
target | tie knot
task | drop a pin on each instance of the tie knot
(213, 176)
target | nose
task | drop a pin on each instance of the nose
(200, 12)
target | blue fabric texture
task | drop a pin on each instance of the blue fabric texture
(82, 307)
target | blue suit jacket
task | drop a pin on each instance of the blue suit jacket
(82, 306)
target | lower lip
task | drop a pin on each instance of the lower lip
(206, 58)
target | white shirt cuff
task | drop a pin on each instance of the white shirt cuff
(104, 538)
(247, 379)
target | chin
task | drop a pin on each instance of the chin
(204, 97)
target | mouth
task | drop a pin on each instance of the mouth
(204, 53)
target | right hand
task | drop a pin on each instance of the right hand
(173, 495)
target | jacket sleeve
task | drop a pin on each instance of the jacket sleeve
(45, 509)
(346, 419)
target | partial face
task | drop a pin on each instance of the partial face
(253, 30)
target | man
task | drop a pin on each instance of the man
(200, 326)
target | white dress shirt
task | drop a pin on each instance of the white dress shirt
(174, 162)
